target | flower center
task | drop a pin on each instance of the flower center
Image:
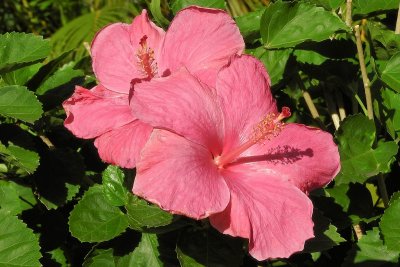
(145, 58)
(266, 129)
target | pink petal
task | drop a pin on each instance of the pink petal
(180, 177)
(122, 146)
(275, 216)
(201, 38)
(181, 104)
(91, 113)
(305, 156)
(244, 90)
(114, 51)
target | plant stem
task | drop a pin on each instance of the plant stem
(382, 190)
(348, 13)
(366, 82)
(340, 104)
(361, 104)
(397, 30)
(332, 109)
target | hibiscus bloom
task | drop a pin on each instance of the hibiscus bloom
(200, 39)
(226, 154)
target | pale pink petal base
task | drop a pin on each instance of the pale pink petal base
(179, 176)
(275, 216)
(122, 146)
(244, 91)
(305, 156)
(91, 113)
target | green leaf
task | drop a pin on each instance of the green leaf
(390, 112)
(21, 76)
(58, 256)
(329, 4)
(93, 219)
(155, 9)
(370, 249)
(359, 160)
(24, 160)
(391, 73)
(19, 103)
(274, 61)
(113, 186)
(362, 7)
(309, 57)
(19, 49)
(208, 248)
(390, 226)
(100, 258)
(326, 235)
(146, 254)
(19, 246)
(385, 42)
(286, 24)
(249, 24)
(177, 5)
(15, 198)
(59, 78)
(142, 215)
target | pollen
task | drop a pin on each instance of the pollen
(270, 126)
(145, 59)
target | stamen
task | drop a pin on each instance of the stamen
(269, 127)
(145, 57)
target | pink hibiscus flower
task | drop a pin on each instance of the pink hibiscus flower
(225, 154)
(200, 39)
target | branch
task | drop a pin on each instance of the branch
(364, 75)
(397, 31)
(348, 13)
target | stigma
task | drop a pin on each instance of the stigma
(145, 59)
(269, 127)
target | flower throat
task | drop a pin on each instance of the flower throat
(266, 129)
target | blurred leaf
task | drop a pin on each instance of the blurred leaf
(19, 49)
(25, 160)
(155, 9)
(208, 248)
(274, 61)
(391, 112)
(249, 24)
(19, 246)
(15, 198)
(58, 256)
(370, 252)
(326, 235)
(286, 24)
(20, 103)
(385, 42)
(142, 215)
(113, 186)
(22, 75)
(359, 160)
(146, 254)
(177, 5)
(94, 220)
(362, 7)
(59, 78)
(390, 226)
(82, 29)
(391, 73)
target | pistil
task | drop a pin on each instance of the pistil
(266, 129)
(146, 60)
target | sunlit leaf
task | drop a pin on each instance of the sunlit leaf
(19, 103)
(285, 24)
(113, 186)
(391, 73)
(390, 226)
(93, 219)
